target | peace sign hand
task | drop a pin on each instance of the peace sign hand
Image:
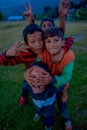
(15, 49)
(28, 14)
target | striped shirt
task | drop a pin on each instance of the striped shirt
(24, 58)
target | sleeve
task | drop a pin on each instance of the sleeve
(23, 58)
(9, 61)
(66, 75)
(68, 43)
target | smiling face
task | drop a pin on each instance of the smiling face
(35, 42)
(54, 44)
(46, 24)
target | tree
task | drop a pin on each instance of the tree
(80, 14)
(1, 16)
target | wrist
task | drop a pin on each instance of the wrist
(53, 80)
(62, 16)
(6, 53)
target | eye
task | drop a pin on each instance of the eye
(32, 42)
(43, 26)
(56, 40)
(50, 25)
(47, 41)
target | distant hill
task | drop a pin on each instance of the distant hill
(11, 7)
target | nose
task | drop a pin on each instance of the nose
(37, 43)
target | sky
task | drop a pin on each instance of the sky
(7, 3)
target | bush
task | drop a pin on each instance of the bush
(80, 14)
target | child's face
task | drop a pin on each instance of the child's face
(54, 44)
(46, 25)
(35, 42)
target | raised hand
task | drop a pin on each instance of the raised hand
(64, 6)
(28, 14)
(15, 49)
(63, 9)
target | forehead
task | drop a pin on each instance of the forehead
(34, 35)
(47, 22)
(37, 69)
(53, 37)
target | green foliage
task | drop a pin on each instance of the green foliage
(48, 12)
(80, 14)
(1, 16)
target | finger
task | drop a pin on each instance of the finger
(30, 6)
(25, 6)
(18, 44)
(44, 72)
(29, 70)
(69, 3)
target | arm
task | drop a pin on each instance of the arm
(65, 76)
(15, 55)
(11, 56)
(63, 9)
(68, 43)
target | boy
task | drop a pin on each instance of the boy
(43, 97)
(61, 71)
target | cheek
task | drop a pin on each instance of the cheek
(46, 45)
(31, 45)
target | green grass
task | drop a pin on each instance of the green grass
(11, 79)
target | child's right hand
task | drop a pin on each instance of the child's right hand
(15, 49)
(28, 14)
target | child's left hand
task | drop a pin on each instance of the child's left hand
(63, 7)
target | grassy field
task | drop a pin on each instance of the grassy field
(11, 79)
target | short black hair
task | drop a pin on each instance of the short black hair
(30, 29)
(53, 31)
(41, 65)
(47, 19)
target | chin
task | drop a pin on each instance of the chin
(53, 53)
(38, 52)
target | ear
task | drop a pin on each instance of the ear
(63, 41)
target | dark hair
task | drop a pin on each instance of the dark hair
(51, 32)
(47, 19)
(30, 29)
(41, 65)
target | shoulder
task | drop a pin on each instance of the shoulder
(70, 54)
(69, 39)
(68, 57)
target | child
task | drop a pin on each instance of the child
(61, 71)
(43, 97)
